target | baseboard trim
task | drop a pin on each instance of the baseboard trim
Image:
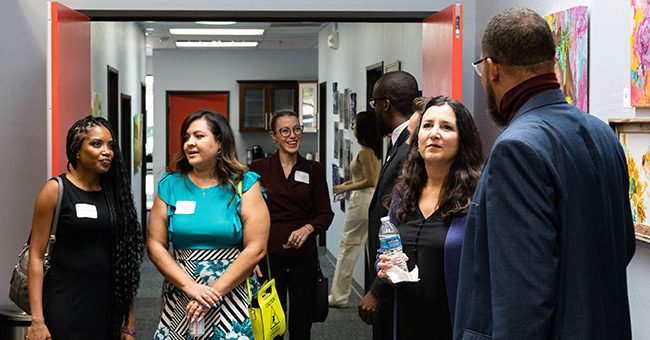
(356, 288)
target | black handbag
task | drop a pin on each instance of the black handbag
(321, 306)
(18, 284)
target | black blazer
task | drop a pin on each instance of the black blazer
(549, 233)
(390, 170)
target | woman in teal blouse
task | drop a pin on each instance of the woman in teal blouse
(218, 234)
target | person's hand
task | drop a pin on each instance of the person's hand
(258, 271)
(205, 295)
(341, 188)
(38, 331)
(383, 265)
(195, 311)
(368, 307)
(299, 236)
(124, 336)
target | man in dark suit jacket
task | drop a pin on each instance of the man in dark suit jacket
(392, 95)
(549, 233)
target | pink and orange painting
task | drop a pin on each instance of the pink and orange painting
(640, 52)
(570, 30)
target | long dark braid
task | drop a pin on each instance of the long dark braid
(126, 232)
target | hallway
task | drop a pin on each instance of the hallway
(341, 323)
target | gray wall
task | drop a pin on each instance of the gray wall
(23, 144)
(361, 45)
(120, 45)
(219, 70)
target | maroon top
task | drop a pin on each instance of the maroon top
(294, 201)
(517, 96)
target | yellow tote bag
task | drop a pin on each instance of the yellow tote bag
(267, 316)
(265, 310)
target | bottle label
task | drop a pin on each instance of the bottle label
(390, 242)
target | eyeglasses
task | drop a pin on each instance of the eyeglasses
(478, 65)
(372, 101)
(286, 131)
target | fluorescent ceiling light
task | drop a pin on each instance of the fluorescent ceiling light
(216, 31)
(215, 22)
(216, 43)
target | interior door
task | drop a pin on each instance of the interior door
(442, 49)
(68, 75)
(180, 104)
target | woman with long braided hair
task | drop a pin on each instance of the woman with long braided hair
(94, 271)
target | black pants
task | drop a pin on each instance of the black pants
(297, 276)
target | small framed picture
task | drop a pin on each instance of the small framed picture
(394, 66)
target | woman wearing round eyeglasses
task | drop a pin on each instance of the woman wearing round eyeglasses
(298, 201)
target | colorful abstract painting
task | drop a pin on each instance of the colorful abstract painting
(571, 32)
(640, 50)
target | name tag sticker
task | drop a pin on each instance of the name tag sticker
(301, 176)
(86, 210)
(185, 207)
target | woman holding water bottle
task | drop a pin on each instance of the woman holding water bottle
(431, 197)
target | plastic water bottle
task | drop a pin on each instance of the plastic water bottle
(391, 243)
(197, 328)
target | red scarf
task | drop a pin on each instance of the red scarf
(517, 96)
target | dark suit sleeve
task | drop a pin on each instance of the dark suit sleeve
(322, 214)
(522, 248)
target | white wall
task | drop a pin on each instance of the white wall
(23, 144)
(121, 46)
(361, 45)
(609, 74)
(219, 70)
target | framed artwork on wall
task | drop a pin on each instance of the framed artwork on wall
(307, 105)
(394, 66)
(570, 30)
(634, 135)
(640, 54)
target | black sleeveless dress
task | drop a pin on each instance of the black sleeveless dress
(78, 288)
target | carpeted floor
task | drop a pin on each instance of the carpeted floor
(341, 323)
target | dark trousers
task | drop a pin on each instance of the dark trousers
(297, 276)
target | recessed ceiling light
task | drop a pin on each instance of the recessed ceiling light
(149, 29)
(216, 31)
(216, 43)
(215, 22)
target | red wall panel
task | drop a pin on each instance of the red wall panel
(442, 49)
(70, 62)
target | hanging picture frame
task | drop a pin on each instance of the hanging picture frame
(394, 66)
(634, 135)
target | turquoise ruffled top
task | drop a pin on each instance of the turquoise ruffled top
(203, 218)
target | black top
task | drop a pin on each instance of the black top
(78, 288)
(423, 311)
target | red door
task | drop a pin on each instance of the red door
(180, 104)
(442, 49)
(68, 85)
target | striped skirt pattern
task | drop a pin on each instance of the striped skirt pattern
(230, 320)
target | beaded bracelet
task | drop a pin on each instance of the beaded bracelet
(129, 331)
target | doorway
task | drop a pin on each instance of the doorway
(112, 90)
(125, 135)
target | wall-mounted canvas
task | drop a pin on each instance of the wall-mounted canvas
(640, 54)
(634, 135)
(570, 30)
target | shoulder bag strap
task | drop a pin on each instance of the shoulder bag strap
(55, 222)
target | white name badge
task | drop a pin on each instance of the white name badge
(185, 207)
(301, 176)
(86, 210)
